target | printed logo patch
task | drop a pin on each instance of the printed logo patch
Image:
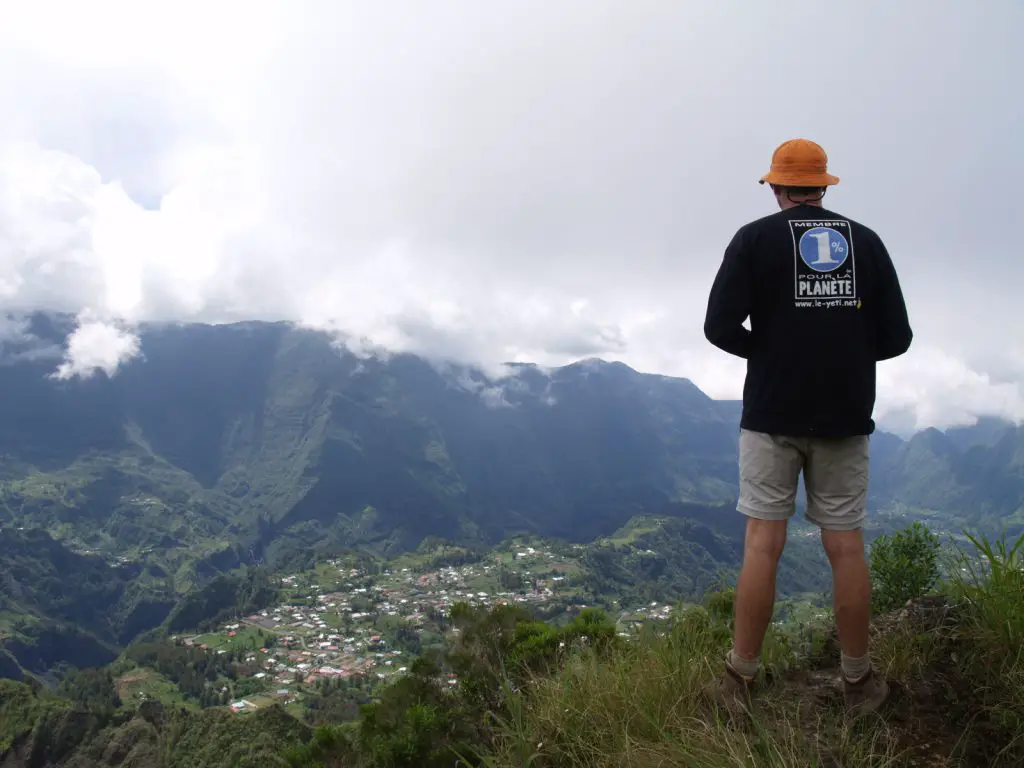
(824, 265)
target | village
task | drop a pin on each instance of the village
(337, 621)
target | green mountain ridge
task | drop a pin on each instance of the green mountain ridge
(254, 431)
(59, 607)
(256, 443)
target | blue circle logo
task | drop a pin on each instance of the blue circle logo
(823, 249)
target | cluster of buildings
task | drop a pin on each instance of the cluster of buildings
(340, 622)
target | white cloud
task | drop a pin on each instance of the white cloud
(503, 181)
(96, 345)
(938, 389)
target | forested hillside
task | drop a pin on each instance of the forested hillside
(222, 444)
(509, 690)
(261, 445)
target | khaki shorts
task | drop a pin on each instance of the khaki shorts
(835, 478)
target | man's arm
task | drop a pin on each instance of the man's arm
(892, 326)
(729, 301)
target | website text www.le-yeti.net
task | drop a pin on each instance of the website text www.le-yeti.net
(826, 303)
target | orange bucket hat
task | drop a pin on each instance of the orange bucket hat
(799, 163)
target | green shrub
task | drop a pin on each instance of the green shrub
(904, 566)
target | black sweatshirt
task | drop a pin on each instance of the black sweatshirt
(824, 304)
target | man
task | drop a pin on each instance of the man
(825, 305)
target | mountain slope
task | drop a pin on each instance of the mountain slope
(225, 444)
(686, 552)
(976, 482)
(221, 431)
(62, 607)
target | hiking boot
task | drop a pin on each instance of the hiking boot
(730, 691)
(866, 695)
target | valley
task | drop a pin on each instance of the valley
(129, 504)
(250, 524)
(342, 624)
(339, 622)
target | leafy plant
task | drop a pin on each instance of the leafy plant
(904, 566)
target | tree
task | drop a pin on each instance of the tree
(94, 689)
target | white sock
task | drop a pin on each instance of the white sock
(854, 669)
(747, 668)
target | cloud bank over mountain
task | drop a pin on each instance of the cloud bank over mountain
(505, 181)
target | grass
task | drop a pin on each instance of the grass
(332, 619)
(642, 707)
(143, 683)
(632, 531)
(260, 699)
(219, 641)
(992, 591)
(955, 662)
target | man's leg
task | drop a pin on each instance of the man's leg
(769, 473)
(836, 477)
(755, 591)
(851, 589)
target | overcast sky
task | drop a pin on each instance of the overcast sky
(495, 180)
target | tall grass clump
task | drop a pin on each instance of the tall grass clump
(990, 585)
(643, 707)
